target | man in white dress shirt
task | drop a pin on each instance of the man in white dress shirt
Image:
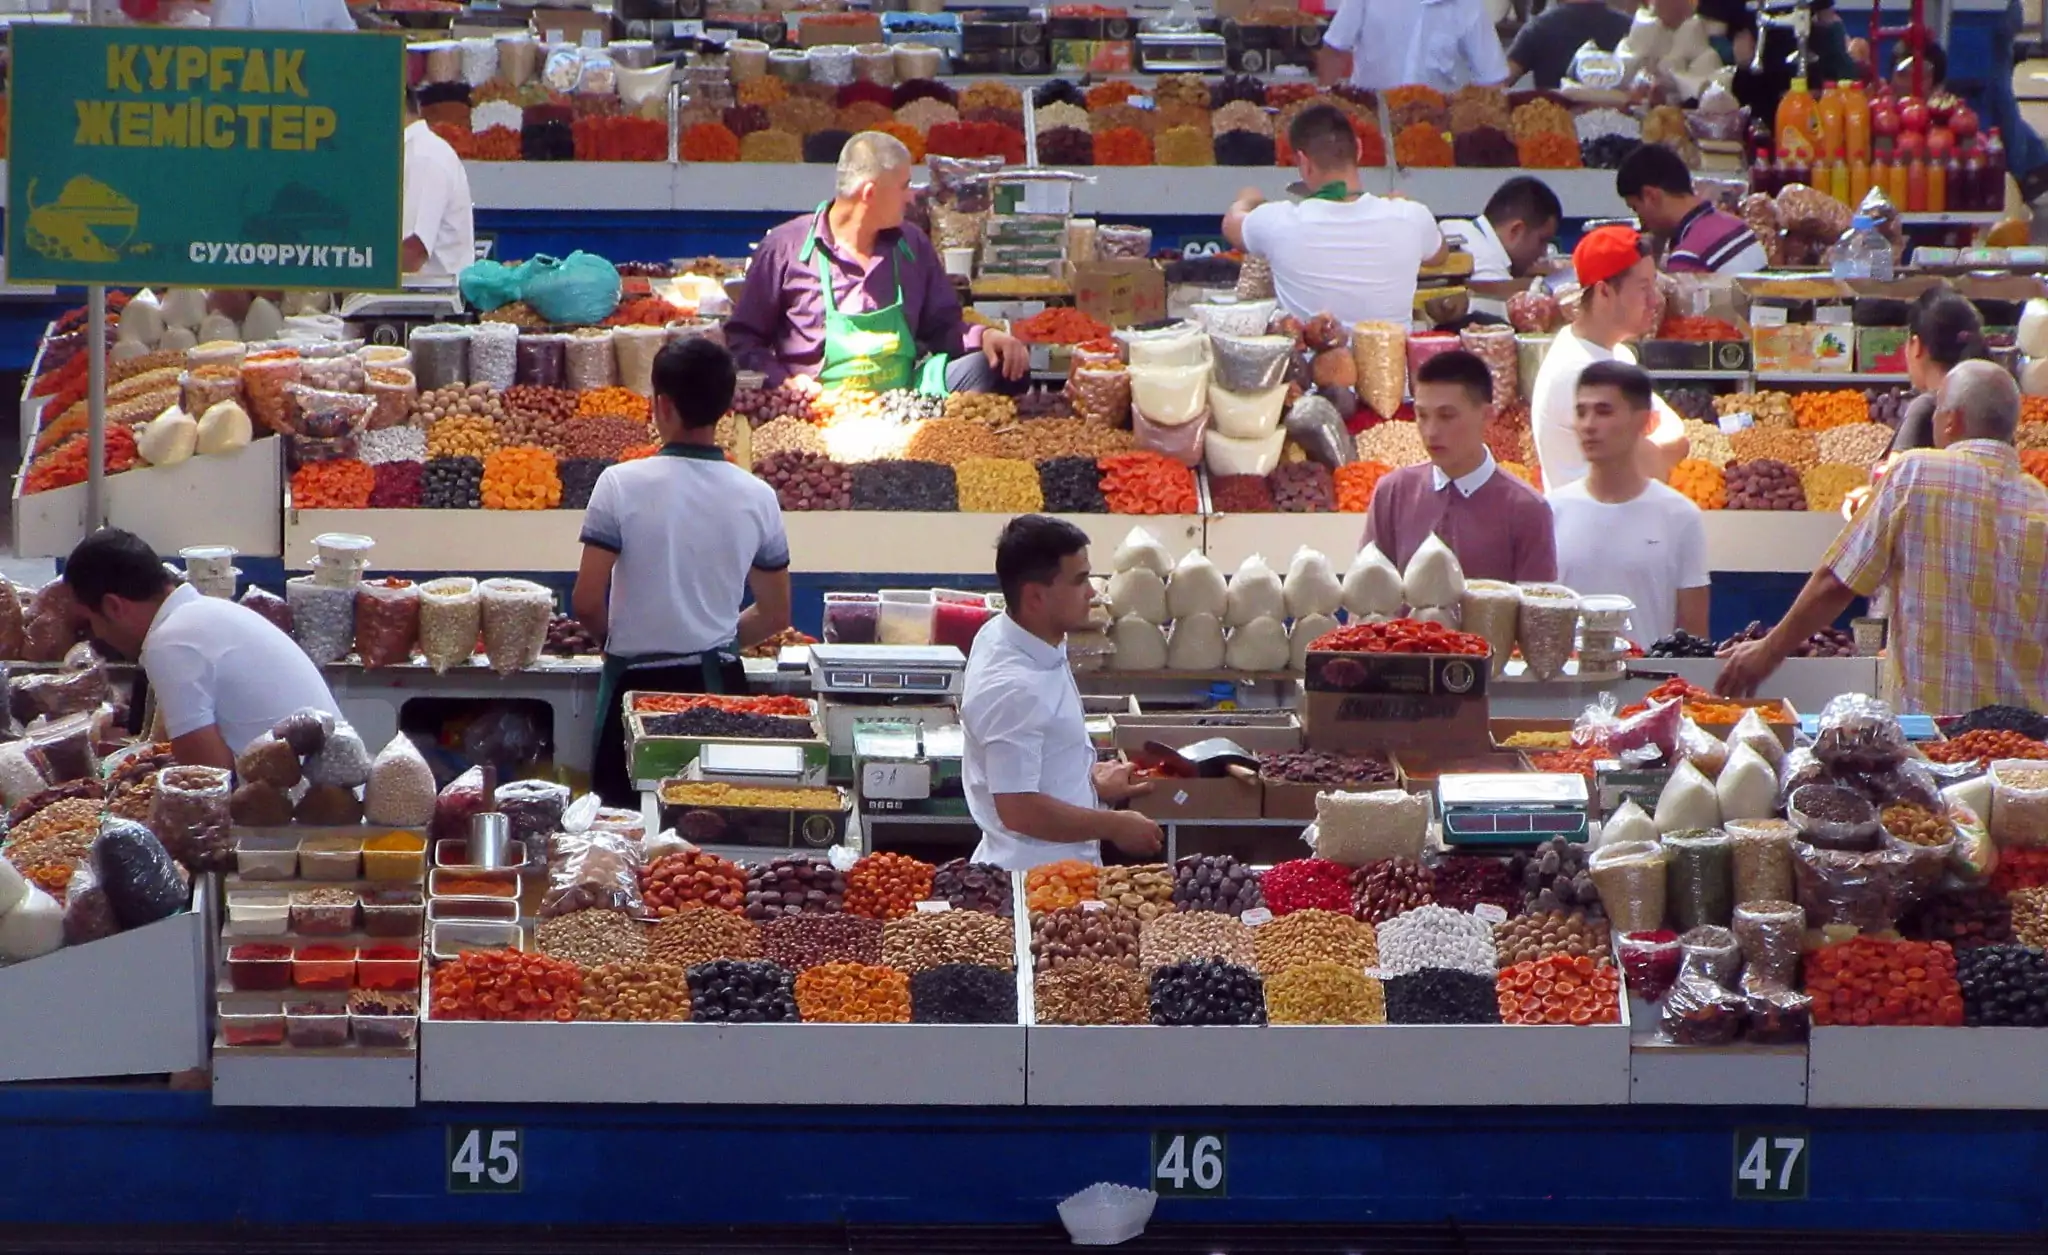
(1031, 778)
(282, 15)
(437, 218)
(1445, 44)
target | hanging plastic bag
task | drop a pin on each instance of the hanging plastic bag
(581, 288)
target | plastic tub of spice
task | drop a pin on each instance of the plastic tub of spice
(395, 856)
(252, 1026)
(309, 1025)
(324, 912)
(958, 617)
(388, 1030)
(324, 967)
(330, 858)
(906, 616)
(489, 910)
(393, 912)
(388, 967)
(267, 858)
(852, 619)
(260, 967)
(259, 914)
(452, 853)
(449, 882)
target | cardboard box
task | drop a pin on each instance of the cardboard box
(1695, 355)
(1094, 56)
(1420, 767)
(1614, 784)
(659, 757)
(1380, 723)
(572, 26)
(1881, 350)
(1224, 798)
(1191, 801)
(762, 826)
(1502, 729)
(1804, 348)
(1298, 801)
(1416, 675)
(1120, 293)
(1785, 723)
(844, 28)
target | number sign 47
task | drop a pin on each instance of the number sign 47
(1770, 1164)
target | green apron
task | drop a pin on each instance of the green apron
(875, 351)
(611, 678)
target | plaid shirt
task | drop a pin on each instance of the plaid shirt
(1960, 538)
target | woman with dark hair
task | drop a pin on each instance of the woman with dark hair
(1946, 330)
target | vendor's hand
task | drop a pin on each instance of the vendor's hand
(1116, 782)
(1853, 500)
(1745, 667)
(1135, 834)
(1006, 353)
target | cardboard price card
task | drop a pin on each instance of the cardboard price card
(203, 158)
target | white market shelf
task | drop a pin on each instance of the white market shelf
(220, 499)
(631, 185)
(1460, 193)
(279, 1076)
(1708, 375)
(1808, 683)
(1717, 1076)
(1844, 378)
(132, 1004)
(1934, 1068)
(938, 1065)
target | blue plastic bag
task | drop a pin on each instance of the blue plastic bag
(580, 288)
(486, 285)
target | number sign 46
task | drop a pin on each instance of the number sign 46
(1190, 1163)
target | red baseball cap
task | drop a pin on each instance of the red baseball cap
(1605, 252)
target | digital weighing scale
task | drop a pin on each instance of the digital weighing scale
(887, 670)
(1512, 808)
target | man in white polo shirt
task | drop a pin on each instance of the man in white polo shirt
(1339, 251)
(223, 675)
(1031, 778)
(672, 544)
(440, 221)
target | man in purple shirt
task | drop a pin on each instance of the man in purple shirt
(1497, 525)
(1702, 239)
(854, 296)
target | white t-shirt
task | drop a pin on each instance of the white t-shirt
(1446, 44)
(1355, 259)
(282, 15)
(1490, 260)
(437, 207)
(687, 532)
(1025, 733)
(1553, 405)
(1646, 550)
(214, 661)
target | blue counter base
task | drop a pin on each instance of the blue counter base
(144, 1156)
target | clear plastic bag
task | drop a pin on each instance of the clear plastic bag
(52, 694)
(494, 354)
(2019, 804)
(334, 374)
(1700, 1009)
(593, 869)
(1648, 736)
(323, 415)
(1701, 878)
(440, 356)
(141, 879)
(1182, 442)
(450, 620)
(1848, 887)
(270, 606)
(1833, 817)
(51, 624)
(392, 390)
(323, 619)
(1650, 960)
(400, 791)
(88, 912)
(463, 797)
(1380, 350)
(387, 621)
(1359, 828)
(1313, 423)
(343, 762)
(1772, 934)
(62, 748)
(13, 629)
(503, 734)
(1704, 750)
(1247, 364)
(1859, 733)
(589, 363)
(541, 359)
(1631, 879)
(515, 615)
(635, 348)
(1101, 395)
(534, 810)
(1762, 851)
(189, 814)
(1546, 625)
(1491, 609)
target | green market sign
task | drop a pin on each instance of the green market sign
(201, 158)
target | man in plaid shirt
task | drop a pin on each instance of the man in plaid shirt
(1959, 535)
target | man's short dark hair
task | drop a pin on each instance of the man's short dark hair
(1456, 366)
(1030, 551)
(698, 378)
(111, 562)
(1323, 134)
(1652, 165)
(1627, 379)
(1524, 198)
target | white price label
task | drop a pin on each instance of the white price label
(1490, 913)
(1091, 905)
(1256, 916)
(1180, 797)
(1377, 973)
(896, 782)
(1741, 420)
(933, 906)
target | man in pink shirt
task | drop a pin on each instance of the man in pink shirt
(1498, 526)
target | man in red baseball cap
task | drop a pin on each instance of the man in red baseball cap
(1618, 301)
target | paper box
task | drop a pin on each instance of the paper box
(1419, 768)
(1120, 293)
(1803, 348)
(1380, 723)
(1452, 675)
(1223, 798)
(1298, 801)
(843, 28)
(1881, 350)
(572, 26)
(1614, 784)
(1191, 801)
(1095, 56)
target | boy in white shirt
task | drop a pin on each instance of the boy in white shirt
(1618, 530)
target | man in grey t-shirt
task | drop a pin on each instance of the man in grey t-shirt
(1546, 46)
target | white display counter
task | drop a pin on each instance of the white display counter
(1932, 1068)
(221, 499)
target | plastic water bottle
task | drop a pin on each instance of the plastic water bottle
(1863, 252)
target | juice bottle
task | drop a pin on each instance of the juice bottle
(1838, 178)
(1856, 122)
(1897, 190)
(1937, 186)
(1763, 173)
(1973, 183)
(1991, 192)
(1881, 172)
(1916, 186)
(1859, 180)
(1798, 123)
(1831, 108)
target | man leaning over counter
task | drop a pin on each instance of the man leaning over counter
(852, 294)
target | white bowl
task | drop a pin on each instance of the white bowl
(1605, 612)
(1106, 1214)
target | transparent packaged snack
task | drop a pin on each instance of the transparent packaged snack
(1834, 817)
(1762, 851)
(1859, 733)
(320, 414)
(494, 354)
(387, 621)
(189, 814)
(2019, 803)
(392, 390)
(541, 360)
(590, 362)
(450, 620)
(595, 869)
(1631, 879)
(1854, 888)
(1701, 879)
(1772, 933)
(440, 355)
(323, 618)
(265, 377)
(141, 879)
(62, 748)
(515, 622)
(334, 374)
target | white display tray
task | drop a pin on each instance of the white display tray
(128, 1005)
(279, 1076)
(219, 499)
(1808, 683)
(931, 1065)
(1741, 1075)
(1935, 1068)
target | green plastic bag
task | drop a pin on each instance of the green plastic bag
(486, 285)
(580, 288)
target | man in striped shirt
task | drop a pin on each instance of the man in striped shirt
(1701, 239)
(1959, 535)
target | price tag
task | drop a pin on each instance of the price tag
(1190, 1163)
(1490, 913)
(933, 906)
(593, 39)
(899, 782)
(1770, 1164)
(1741, 420)
(1180, 797)
(1048, 196)
(1377, 973)
(1256, 916)
(483, 1159)
(1091, 905)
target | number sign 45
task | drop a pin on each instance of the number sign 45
(486, 1160)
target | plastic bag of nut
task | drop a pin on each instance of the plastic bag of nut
(592, 869)
(2019, 803)
(1495, 345)
(515, 616)
(189, 814)
(1700, 1009)
(392, 390)
(323, 618)
(1833, 817)
(387, 621)
(450, 618)
(1101, 395)
(1850, 887)
(1546, 625)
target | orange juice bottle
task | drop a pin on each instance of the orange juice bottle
(1838, 178)
(1798, 124)
(1881, 172)
(1897, 190)
(1856, 122)
(1916, 187)
(1831, 109)
(1859, 180)
(1937, 187)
